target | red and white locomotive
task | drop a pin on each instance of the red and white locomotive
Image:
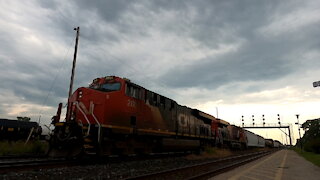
(114, 115)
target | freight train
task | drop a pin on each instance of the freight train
(273, 143)
(116, 116)
(14, 130)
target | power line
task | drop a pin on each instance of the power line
(55, 78)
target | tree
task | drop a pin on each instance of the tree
(311, 138)
(26, 119)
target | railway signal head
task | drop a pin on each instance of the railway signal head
(316, 84)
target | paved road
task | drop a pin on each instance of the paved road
(284, 164)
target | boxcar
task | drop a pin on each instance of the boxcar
(254, 140)
(276, 144)
(261, 141)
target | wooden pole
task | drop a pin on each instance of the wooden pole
(72, 73)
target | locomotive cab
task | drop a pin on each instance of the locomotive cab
(86, 113)
(110, 105)
(107, 84)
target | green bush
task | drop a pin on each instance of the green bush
(313, 145)
(20, 148)
(210, 150)
(310, 156)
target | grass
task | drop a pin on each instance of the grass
(20, 148)
(312, 157)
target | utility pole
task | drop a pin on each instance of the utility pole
(300, 140)
(74, 61)
(290, 136)
(72, 72)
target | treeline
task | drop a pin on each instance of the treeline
(311, 140)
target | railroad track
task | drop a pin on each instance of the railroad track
(204, 170)
(8, 157)
(19, 165)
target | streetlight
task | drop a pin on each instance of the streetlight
(300, 141)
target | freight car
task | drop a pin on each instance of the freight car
(14, 130)
(254, 140)
(269, 143)
(277, 144)
(236, 137)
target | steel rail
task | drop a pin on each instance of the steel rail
(226, 167)
(199, 171)
(20, 164)
(11, 166)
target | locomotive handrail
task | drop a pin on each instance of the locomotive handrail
(31, 131)
(99, 125)
(89, 125)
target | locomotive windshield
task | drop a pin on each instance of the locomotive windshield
(106, 87)
(110, 86)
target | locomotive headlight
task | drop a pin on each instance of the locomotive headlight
(80, 94)
(72, 116)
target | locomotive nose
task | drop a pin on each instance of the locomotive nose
(80, 93)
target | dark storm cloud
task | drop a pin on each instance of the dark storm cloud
(91, 16)
(149, 42)
(213, 23)
(109, 10)
(234, 67)
(28, 75)
(260, 58)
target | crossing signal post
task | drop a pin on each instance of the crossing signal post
(242, 121)
(253, 120)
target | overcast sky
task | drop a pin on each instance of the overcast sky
(227, 58)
